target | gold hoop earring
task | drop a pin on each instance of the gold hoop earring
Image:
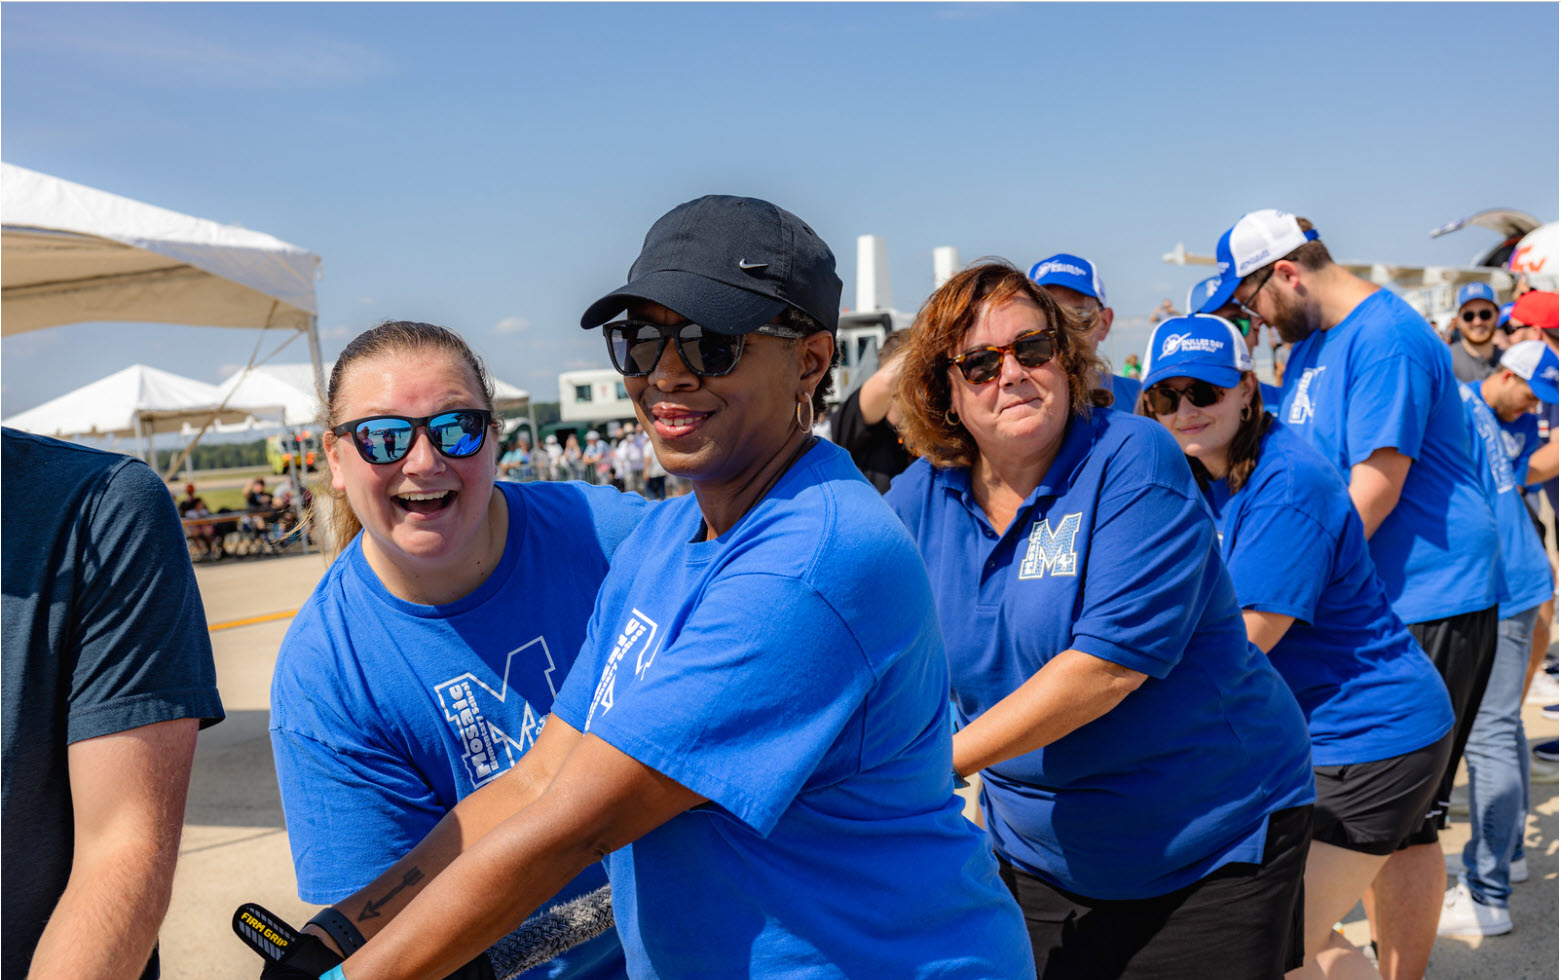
(807, 403)
(1246, 412)
(951, 418)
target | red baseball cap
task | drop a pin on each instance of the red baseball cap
(1536, 309)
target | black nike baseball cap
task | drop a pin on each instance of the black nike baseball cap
(729, 264)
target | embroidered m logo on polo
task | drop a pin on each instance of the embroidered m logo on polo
(1052, 550)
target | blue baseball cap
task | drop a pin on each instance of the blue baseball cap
(1504, 315)
(1199, 293)
(1536, 363)
(1258, 239)
(1201, 346)
(1476, 290)
(1071, 271)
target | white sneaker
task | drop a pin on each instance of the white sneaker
(1463, 916)
(1543, 690)
(1517, 871)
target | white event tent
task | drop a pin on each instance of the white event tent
(138, 402)
(292, 385)
(72, 254)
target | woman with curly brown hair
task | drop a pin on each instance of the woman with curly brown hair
(1146, 774)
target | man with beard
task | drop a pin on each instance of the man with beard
(1372, 387)
(1474, 354)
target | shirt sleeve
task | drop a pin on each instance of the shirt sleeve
(1390, 404)
(1152, 560)
(1280, 560)
(615, 516)
(353, 805)
(139, 653)
(741, 706)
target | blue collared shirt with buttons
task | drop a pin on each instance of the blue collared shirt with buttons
(1114, 554)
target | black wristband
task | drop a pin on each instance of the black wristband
(339, 928)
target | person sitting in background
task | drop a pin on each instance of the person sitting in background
(1474, 354)
(864, 426)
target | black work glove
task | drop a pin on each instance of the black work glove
(306, 958)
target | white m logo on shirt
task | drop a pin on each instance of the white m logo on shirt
(1052, 550)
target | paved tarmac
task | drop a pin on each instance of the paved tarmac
(235, 843)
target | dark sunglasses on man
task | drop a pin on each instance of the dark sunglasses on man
(982, 364)
(1469, 316)
(636, 346)
(1165, 401)
(384, 439)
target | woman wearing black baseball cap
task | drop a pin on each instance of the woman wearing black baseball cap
(756, 732)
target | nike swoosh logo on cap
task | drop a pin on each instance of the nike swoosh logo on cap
(745, 264)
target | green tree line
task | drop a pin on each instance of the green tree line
(218, 455)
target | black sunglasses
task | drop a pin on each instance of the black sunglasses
(636, 346)
(1469, 316)
(385, 439)
(984, 364)
(1164, 401)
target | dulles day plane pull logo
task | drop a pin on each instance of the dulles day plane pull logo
(493, 730)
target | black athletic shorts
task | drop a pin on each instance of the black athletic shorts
(1462, 647)
(1240, 920)
(1377, 807)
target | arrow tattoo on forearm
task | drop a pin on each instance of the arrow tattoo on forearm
(371, 910)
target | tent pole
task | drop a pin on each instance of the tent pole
(315, 358)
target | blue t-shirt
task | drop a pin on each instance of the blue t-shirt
(1271, 397)
(1367, 689)
(1519, 439)
(1525, 567)
(792, 673)
(1114, 554)
(1381, 379)
(386, 713)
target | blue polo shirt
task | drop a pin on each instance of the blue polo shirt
(1367, 689)
(1524, 565)
(791, 672)
(1114, 555)
(1381, 379)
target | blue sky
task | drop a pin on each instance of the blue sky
(494, 167)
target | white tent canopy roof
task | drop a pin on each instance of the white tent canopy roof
(288, 385)
(138, 399)
(73, 254)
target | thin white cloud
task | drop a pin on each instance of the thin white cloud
(366, 300)
(340, 331)
(293, 60)
(512, 325)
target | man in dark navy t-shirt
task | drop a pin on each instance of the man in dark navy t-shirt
(107, 674)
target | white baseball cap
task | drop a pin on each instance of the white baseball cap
(1259, 238)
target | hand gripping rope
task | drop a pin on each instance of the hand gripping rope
(539, 939)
